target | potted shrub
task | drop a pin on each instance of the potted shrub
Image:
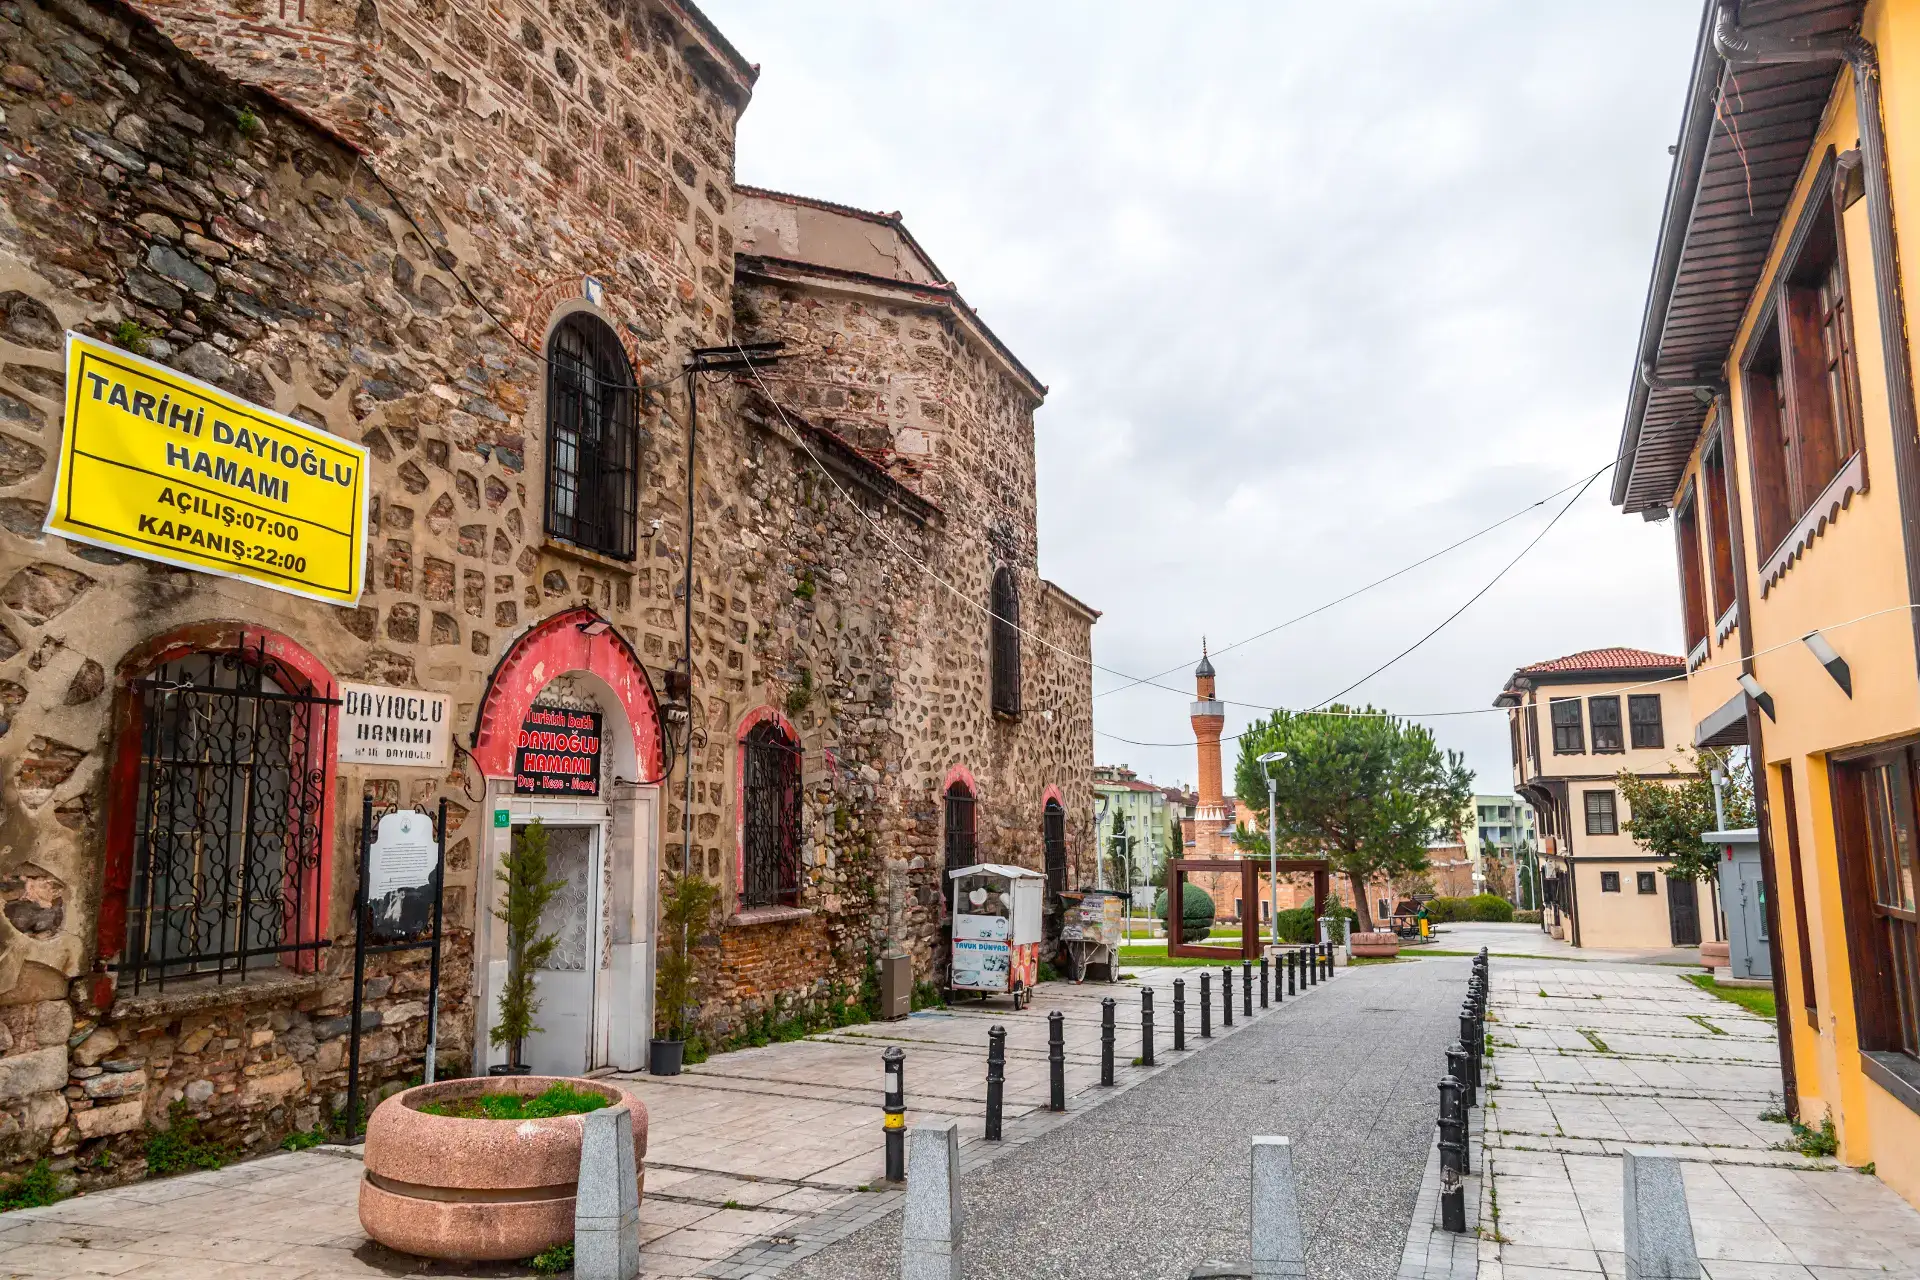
(484, 1168)
(684, 909)
(526, 893)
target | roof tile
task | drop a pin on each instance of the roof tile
(1615, 659)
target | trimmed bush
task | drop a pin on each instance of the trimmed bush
(1485, 908)
(1196, 911)
(1526, 917)
(1297, 926)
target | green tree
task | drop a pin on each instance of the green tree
(1668, 815)
(527, 892)
(685, 907)
(1365, 791)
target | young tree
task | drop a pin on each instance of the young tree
(1366, 791)
(1668, 815)
(525, 895)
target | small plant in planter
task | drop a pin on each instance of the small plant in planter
(526, 893)
(684, 910)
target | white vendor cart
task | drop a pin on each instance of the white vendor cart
(996, 930)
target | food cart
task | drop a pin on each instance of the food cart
(1090, 934)
(996, 930)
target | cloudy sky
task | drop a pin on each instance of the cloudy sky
(1318, 289)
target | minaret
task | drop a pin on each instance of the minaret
(1211, 815)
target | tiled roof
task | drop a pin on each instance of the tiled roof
(1607, 660)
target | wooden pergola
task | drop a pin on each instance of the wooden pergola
(1248, 869)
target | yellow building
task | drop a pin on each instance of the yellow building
(1576, 723)
(1772, 420)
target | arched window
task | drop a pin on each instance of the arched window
(961, 849)
(593, 439)
(228, 817)
(771, 817)
(1006, 643)
(1054, 834)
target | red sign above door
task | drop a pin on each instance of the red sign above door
(558, 753)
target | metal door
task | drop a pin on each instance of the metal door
(1683, 912)
(565, 984)
(1755, 959)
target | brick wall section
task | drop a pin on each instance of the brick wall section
(537, 147)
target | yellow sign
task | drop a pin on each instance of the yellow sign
(163, 466)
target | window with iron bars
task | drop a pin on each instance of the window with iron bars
(593, 439)
(1054, 835)
(771, 821)
(1006, 643)
(227, 821)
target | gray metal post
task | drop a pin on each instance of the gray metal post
(931, 1220)
(1279, 1244)
(1659, 1230)
(606, 1206)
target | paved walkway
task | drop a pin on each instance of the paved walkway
(1591, 1059)
(1156, 1181)
(750, 1154)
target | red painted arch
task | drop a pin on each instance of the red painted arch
(1052, 793)
(292, 665)
(554, 647)
(960, 773)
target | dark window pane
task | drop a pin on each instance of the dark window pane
(1609, 882)
(1644, 882)
(1600, 814)
(593, 466)
(770, 821)
(1005, 655)
(1643, 709)
(1568, 735)
(1606, 723)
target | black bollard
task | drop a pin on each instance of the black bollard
(894, 1064)
(1453, 1155)
(1470, 1037)
(996, 1079)
(1263, 981)
(1206, 1006)
(1292, 966)
(1057, 1061)
(1226, 996)
(1326, 957)
(1146, 1026)
(1179, 1013)
(1312, 963)
(1246, 988)
(1468, 1080)
(1106, 1040)
(1457, 1068)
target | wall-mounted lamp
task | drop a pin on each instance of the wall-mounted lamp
(594, 626)
(1830, 659)
(1761, 698)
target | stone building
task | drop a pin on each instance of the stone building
(483, 241)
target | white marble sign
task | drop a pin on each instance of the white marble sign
(409, 728)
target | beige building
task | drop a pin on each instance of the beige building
(1576, 724)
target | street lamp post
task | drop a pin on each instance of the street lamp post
(1273, 848)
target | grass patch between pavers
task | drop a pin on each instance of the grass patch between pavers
(1153, 957)
(1758, 1000)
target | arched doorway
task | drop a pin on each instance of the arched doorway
(569, 736)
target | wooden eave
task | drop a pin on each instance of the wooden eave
(1745, 139)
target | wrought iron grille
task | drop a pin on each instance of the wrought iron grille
(961, 850)
(1006, 644)
(772, 819)
(593, 439)
(228, 820)
(1054, 833)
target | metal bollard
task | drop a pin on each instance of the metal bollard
(1226, 996)
(1456, 1068)
(1106, 1040)
(996, 1079)
(1057, 1061)
(1292, 966)
(1327, 957)
(1263, 980)
(893, 1063)
(1206, 1006)
(1246, 988)
(1312, 966)
(1453, 1155)
(1179, 1013)
(1146, 1026)
(1468, 1036)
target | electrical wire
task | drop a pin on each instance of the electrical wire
(1504, 570)
(1358, 591)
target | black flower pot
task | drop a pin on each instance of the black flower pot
(663, 1056)
(508, 1069)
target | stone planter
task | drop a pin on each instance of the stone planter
(1376, 944)
(1715, 955)
(481, 1190)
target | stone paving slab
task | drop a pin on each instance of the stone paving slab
(1680, 1074)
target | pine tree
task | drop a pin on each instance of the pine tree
(527, 892)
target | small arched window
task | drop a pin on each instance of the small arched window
(593, 439)
(770, 826)
(1054, 835)
(960, 846)
(1006, 643)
